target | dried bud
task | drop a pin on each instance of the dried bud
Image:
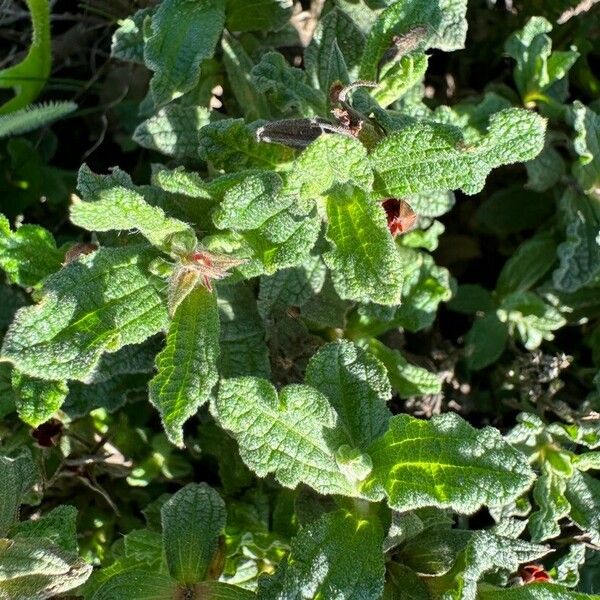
(400, 216)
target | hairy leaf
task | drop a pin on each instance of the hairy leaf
(35, 569)
(579, 254)
(587, 146)
(173, 130)
(291, 434)
(29, 254)
(242, 339)
(97, 304)
(17, 475)
(128, 39)
(265, 15)
(363, 258)
(286, 87)
(427, 156)
(192, 521)
(121, 207)
(187, 367)
(446, 29)
(336, 556)
(485, 552)
(37, 400)
(183, 34)
(444, 462)
(229, 144)
(357, 387)
(334, 51)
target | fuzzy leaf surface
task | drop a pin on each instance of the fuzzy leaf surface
(121, 207)
(192, 521)
(183, 34)
(337, 556)
(37, 400)
(427, 156)
(363, 257)
(357, 387)
(97, 304)
(587, 145)
(445, 462)
(291, 434)
(261, 15)
(486, 552)
(187, 366)
(579, 254)
(445, 21)
(17, 475)
(173, 130)
(29, 254)
(35, 569)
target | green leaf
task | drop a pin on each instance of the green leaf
(97, 304)
(402, 76)
(514, 209)
(173, 130)
(425, 286)
(34, 569)
(192, 521)
(238, 66)
(17, 476)
(37, 400)
(444, 19)
(261, 15)
(230, 145)
(242, 339)
(587, 146)
(284, 240)
(432, 204)
(291, 287)
(291, 434)
(407, 379)
(187, 367)
(182, 35)
(357, 387)
(485, 342)
(485, 552)
(579, 254)
(445, 462)
(427, 156)
(337, 556)
(29, 254)
(528, 265)
(363, 257)
(583, 494)
(253, 201)
(546, 170)
(59, 526)
(549, 494)
(432, 552)
(530, 317)
(137, 584)
(471, 298)
(329, 160)
(120, 207)
(537, 66)
(334, 51)
(286, 87)
(128, 39)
